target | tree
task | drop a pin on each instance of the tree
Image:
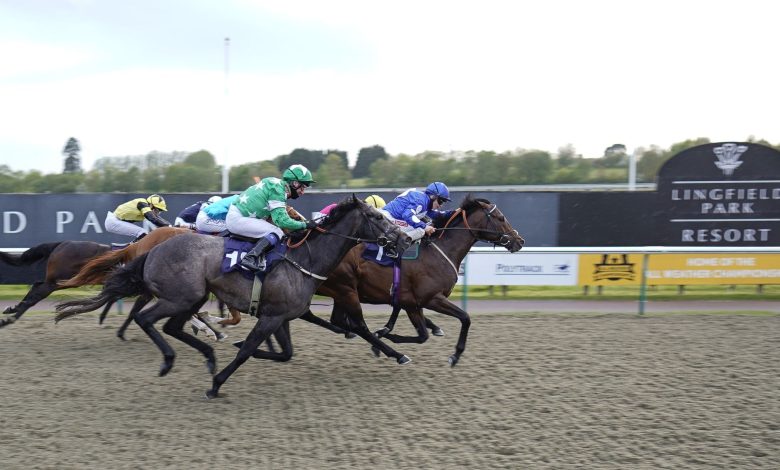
(366, 157)
(333, 173)
(72, 159)
(242, 176)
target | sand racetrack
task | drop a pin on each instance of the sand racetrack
(535, 390)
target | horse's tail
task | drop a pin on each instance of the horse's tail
(36, 253)
(127, 281)
(96, 269)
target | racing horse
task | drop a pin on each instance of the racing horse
(182, 283)
(425, 282)
(95, 270)
(65, 259)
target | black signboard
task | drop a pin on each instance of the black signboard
(720, 194)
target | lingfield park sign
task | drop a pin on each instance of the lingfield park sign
(725, 193)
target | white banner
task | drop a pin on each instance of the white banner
(519, 269)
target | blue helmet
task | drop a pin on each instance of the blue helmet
(439, 190)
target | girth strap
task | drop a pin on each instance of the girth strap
(254, 299)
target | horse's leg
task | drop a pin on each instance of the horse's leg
(174, 327)
(235, 317)
(390, 323)
(312, 318)
(418, 320)
(435, 330)
(218, 335)
(221, 308)
(265, 326)
(39, 291)
(282, 335)
(140, 303)
(146, 319)
(103, 314)
(440, 304)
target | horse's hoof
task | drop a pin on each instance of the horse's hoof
(210, 394)
(350, 335)
(437, 331)
(166, 366)
(375, 350)
(381, 332)
(453, 360)
(238, 344)
(9, 310)
(7, 321)
(194, 330)
(404, 360)
(121, 335)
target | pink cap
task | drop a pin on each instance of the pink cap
(326, 210)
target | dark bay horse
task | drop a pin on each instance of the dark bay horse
(427, 281)
(65, 259)
(182, 282)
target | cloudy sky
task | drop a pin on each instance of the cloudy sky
(126, 78)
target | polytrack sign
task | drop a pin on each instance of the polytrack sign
(520, 269)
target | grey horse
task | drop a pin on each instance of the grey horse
(182, 272)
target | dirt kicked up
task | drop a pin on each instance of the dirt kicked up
(534, 391)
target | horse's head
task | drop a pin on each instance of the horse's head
(487, 223)
(367, 224)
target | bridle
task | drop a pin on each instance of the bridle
(504, 239)
(381, 240)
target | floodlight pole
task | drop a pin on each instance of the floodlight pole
(225, 168)
(632, 171)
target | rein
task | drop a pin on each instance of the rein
(504, 239)
(380, 240)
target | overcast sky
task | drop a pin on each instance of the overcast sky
(126, 78)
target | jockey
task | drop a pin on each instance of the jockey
(409, 209)
(189, 214)
(375, 200)
(121, 220)
(268, 198)
(211, 218)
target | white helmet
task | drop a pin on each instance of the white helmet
(214, 199)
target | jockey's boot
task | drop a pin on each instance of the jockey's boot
(255, 259)
(138, 237)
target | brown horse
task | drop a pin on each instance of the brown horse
(427, 281)
(66, 259)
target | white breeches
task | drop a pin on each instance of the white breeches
(122, 227)
(250, 226)
(415, 233)
(204, 223)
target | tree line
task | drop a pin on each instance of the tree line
(198, 171)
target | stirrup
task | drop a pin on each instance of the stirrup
(258, 266)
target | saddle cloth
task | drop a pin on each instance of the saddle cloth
(235, 250)
(375, 253)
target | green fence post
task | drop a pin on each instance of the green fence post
(465, 291)
(643, 285)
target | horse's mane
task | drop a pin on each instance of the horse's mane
(336, 214)
(468, 205)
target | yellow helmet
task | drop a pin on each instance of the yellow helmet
(375, 201)
(157, 202)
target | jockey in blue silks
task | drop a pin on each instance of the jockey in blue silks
(189, 214)
(410, 209)
(211, 217)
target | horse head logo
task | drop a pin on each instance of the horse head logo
(728, 157)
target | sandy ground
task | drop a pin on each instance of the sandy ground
(533, 390)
